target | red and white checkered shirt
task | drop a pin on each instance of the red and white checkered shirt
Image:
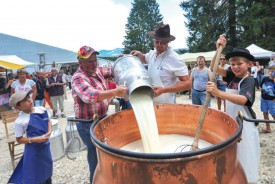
(85, 91)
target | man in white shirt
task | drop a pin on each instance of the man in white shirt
(164, 67)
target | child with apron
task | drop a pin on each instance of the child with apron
(35, 166)
(239, 96)
(248, 151)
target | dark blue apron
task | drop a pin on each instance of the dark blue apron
(36, 165)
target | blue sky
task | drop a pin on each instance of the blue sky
(69, 24)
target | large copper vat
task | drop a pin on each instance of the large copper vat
(216, 164)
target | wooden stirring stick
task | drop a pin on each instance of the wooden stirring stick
(207, 99)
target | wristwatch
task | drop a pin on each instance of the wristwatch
(29, 140)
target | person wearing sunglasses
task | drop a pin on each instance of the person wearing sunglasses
(221, 84)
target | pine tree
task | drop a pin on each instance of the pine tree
(144, 17)
(243, 21)
(257, 23)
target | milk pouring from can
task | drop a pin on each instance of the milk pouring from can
(128, 70)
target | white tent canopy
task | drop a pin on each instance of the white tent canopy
(192, 57)
(259, 52)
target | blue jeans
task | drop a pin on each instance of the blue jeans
(198, 98)
(38, 103)
(259, 77)
(84, 133)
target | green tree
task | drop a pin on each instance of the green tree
(257, 23)
(204, 23)
(144, 17)
(243, 21)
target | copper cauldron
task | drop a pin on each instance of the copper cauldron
(216, 164)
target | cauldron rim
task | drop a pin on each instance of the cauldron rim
(209, 149)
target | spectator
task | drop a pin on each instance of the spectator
(164, 66)
(272, 62)
(200, 75)
(55, 85)
(260, 72)
(64, 78)
(23, 84)
(268, 97)
(69, 79)
(220, 83)
(10, 81)
(91, 96)
(41, 86)
(46, 93)
(32, 128)
(254, 73)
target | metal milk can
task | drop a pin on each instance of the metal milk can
(128, 70)
(57, 145)
(71, 130)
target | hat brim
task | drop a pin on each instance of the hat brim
(27, 94)
(86, 57)
(154, 36)
(240, 54)
(14, 104)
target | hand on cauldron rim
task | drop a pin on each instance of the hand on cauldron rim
(158, 90)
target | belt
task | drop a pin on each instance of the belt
(200, 90)
(84, 121)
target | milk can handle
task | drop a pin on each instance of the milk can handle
(255, 120)
(74, 119)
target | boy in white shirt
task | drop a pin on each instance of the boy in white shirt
(32, 128)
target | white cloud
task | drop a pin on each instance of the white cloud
(70, 24)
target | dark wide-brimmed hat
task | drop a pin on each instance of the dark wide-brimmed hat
(162, 33)
(242, 52)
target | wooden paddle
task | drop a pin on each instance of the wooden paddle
(207, 99)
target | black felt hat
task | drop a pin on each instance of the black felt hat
(242, 52)
(162, 33)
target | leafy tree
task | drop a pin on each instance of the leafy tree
(204, 23)
(144, 17)
(257, 23)
(243, 21)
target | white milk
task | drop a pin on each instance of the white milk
(151, 142)
(142, 104)
(169, 143)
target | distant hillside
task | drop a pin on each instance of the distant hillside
(117, 51)
(110, 53)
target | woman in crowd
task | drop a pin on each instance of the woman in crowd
(23, 84)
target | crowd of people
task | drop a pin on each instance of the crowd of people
(93, 92)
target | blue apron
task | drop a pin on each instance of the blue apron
(36, 165)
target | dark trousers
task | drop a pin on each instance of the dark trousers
(84, 133)
(256, 83)
(70, 85)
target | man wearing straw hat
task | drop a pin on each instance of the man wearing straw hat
(167, 73)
